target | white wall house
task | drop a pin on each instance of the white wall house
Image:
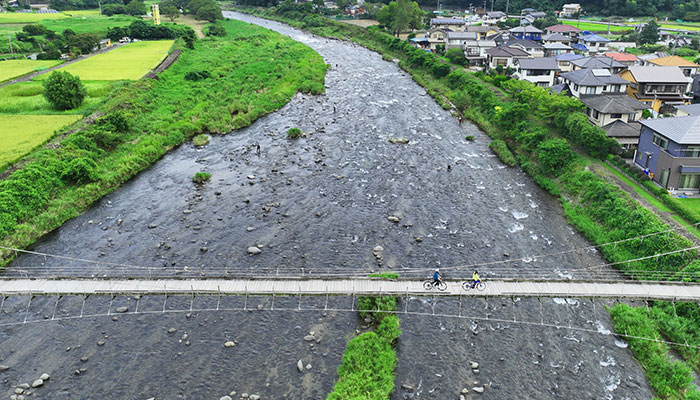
(539, 71)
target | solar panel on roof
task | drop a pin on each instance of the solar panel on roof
(601, 72)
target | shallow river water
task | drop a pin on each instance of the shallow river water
(320, 205)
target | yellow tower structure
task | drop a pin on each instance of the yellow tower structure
(156, 14)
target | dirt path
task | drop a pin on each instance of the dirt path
(29, 77)
(666, 216)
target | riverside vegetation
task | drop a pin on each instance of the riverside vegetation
(539, 131)
(147, 118)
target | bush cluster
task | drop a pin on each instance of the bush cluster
(499, 147)
(197, 75)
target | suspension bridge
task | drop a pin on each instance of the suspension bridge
(632, 290)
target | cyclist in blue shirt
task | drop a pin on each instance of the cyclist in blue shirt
(436, 276)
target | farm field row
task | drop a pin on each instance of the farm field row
(29, 18)
(129, 62)
(92, 24)
(22, 133)
(13, 68)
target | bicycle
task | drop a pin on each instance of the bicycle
(467, 285)
(430, 283)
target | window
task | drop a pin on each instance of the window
(616, 116)
(632, 117)
(588, 111)
(615, 88)
(659, 141)
(692, 151)
(589, 90)
(595, 114)
(689, 181)
(502, 62)
(576, 86)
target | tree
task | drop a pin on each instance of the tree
(209, 12)
(650, 33)
(400, 15)
(169, 10)
(215, 30)
(135, 8)
(542, 23)
(84, 42)
(64, 91)
(456, 56)
(111, 9)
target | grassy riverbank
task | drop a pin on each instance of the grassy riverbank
(146, 119)
(540, 131)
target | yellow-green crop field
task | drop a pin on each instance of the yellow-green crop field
(13, 68)
(28, 18)
(22, 133)
(81, 13)
(28, 98)
(130, 62)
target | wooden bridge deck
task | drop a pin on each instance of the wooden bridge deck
(344, 286)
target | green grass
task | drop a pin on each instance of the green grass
(639, 190)
(253, 72)
(9, 29)
(83, 13)
(22, 133)
(13, 68)
(131, 61)
(693, 204)
(27, 98)
(89, 24)
(589, 26)
(679, 26)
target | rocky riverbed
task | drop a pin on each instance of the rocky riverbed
(350, 189)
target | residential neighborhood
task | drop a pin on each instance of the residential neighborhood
(633, 98)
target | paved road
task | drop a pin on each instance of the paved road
(498, 288)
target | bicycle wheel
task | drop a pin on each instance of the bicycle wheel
(427, 285)
(480, 286)
(441, 286)
(466, 285)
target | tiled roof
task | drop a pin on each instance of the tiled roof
(589, 77)
(654, 74)
(613, 104)
(673, 61)
(622, 57)
(505, 51)
(540, 63)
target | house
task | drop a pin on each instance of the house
(688, 68)
(540, 71)
(592, 81)
(436, 37)
(661, 87)
(526, 11)
(504, 56)
(596, 44)
(531, 17)
(533, 48)
(623, 58)
(607, 108)
(644, 58)
(556, 48)
(669, 148)
(621, 46)
(687, 109)
(564, 61)
(500, 38)
(456, 40)
(475, 51)
(453, 24)
(556, 38)
(494, 17)
(627, 134)
(482, 31)
(528, 32)
(599, 62)
(570, 10)
(566, 30)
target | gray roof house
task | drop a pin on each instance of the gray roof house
(603, 62)
(688, 110)
(627, 134)
(456, 40)
(670, 149)
(504, 56)
(540, 71)
(533, 48)
(556, 37)
(593, 81)
(602, 110)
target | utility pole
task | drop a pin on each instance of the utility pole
(99, 3)
(507, 5)
(491, 5)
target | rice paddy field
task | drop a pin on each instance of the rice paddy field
(90, 24)
(590, 26)
(129, 62)
(22, 133)
(13, 68)
(28, 98)
(28, 18)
